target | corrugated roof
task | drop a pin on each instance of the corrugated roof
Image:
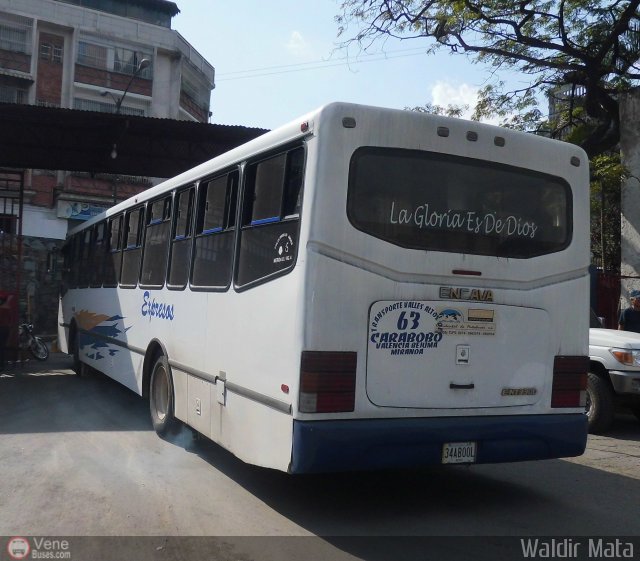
(68, 139)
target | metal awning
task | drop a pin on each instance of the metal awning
(68, 139)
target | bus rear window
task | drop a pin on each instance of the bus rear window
(438, 202)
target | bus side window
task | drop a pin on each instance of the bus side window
(85, 258)
(132, 251)
(292, 201)
(214, 233)
(156, 243)
(97, 257)
(270, 217)
(67, 255)
(76, 251)
(267, 184)
(113, 253)
(178, 275)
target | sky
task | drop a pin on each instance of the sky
(278, 60)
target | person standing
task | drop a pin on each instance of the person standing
(630, 317)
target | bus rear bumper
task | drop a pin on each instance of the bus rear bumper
(370, 444)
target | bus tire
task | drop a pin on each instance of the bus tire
(161, 398)
(635, 409)
(75, 350)
(600, 404)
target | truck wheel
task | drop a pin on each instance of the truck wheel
(161, 398)
(600, 406)
(635, 409)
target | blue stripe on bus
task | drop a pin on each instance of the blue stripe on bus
(212, 230)
(265, 221)
(363, 444)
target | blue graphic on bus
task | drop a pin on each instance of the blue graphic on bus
(450, 314)
(95, 333)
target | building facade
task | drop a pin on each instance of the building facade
(115, 56)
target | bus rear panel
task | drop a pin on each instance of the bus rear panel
(446, 295)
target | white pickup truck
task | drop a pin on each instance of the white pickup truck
(614, 375)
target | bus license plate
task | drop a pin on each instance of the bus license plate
(459, 453)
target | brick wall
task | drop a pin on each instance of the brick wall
(108, 188)
(112, 80)
(43, 184)
(191, 107)
(49, 77)
(15, 61)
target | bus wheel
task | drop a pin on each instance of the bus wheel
(600, 406)
(161, 398)
(77, 364)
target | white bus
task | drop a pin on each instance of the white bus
(363, 288)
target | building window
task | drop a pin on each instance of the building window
(7, 223)
(57, 54)
(92, 55)
(100, 107)
(113, 59)
(14, 39)
(51, 53)
(45, 51)
(126, 61)
(13, 94)
(198, 92)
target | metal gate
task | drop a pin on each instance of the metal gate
(11, 207)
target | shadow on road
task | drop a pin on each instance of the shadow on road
(548, 498)
(38, 397)
(386, 516)
(625, 427)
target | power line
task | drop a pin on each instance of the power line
(316, 65)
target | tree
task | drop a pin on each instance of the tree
(584, 52)
(607, 174)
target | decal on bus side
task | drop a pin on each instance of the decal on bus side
(95, 332)
(152, 308)
(284, 249)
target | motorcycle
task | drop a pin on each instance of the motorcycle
(28, 341)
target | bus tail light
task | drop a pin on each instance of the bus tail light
(327, 382)
(569, 381)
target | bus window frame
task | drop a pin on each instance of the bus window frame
(188, 238)
(109, 254)
(230, 223)
(84, 274)
(244, 214)
(150, 222)
(98, 252)
(141, 210)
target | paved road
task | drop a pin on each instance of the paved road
(78, 457)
